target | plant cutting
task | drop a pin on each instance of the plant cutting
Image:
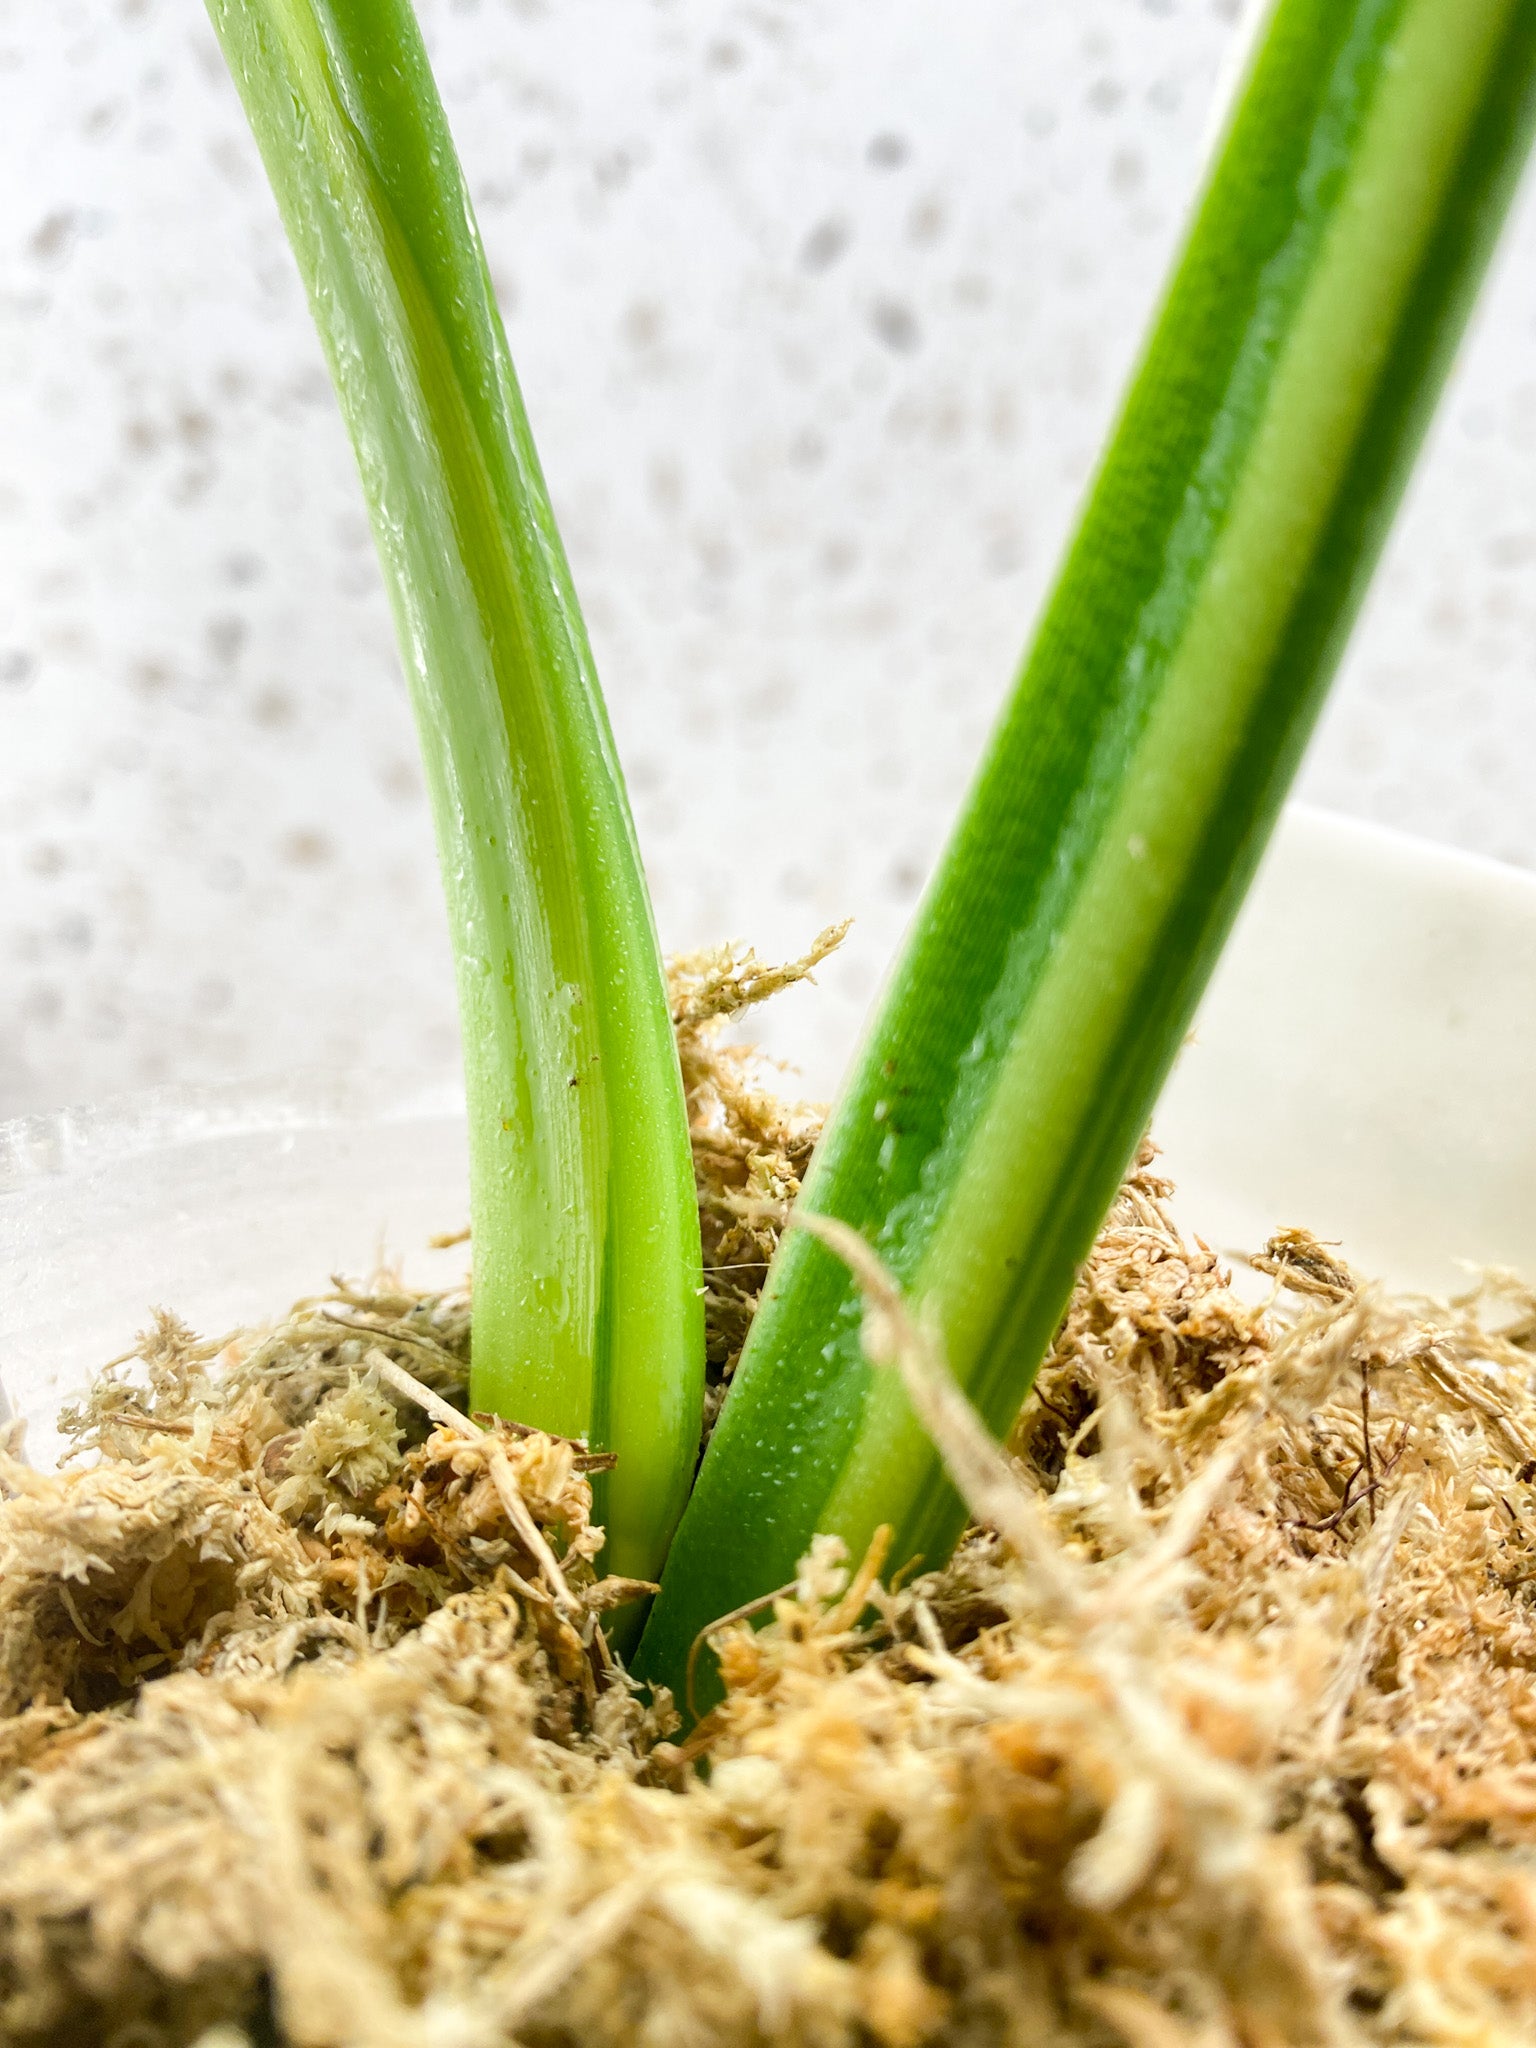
(331, 1482)
(1095, 869)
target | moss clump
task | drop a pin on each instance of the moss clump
(1219, 1728)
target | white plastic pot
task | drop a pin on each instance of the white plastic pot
(1364, 1064)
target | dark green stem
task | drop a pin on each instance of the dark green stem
(1129, 789)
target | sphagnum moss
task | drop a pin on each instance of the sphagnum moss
(1224, 1737)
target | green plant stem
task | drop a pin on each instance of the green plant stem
(1129, 789)
(587, 1312)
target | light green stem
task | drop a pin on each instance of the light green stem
(587, 1312)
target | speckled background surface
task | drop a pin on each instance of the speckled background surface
(820, 310)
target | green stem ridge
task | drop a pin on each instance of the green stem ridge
(588, 1318)
(1129, 789)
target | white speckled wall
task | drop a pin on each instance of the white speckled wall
(820, 308)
